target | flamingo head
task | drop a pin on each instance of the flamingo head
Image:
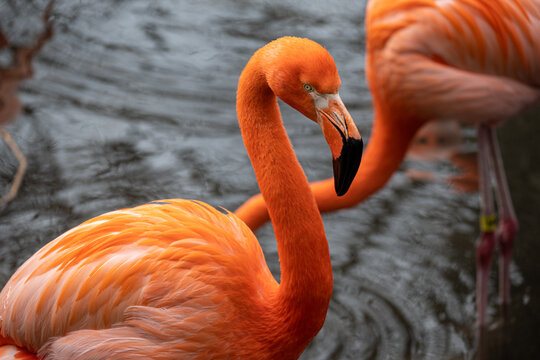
(303, 74)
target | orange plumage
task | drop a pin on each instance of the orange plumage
(122, 268)
(475, 61)
(179, 279)
(12, 352)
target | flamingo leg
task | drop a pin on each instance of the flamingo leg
(486, 242)
(20, 170)
(508, 223)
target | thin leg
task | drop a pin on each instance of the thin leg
(481, 344)
(508, 224)
(486, 243)
(20, 171)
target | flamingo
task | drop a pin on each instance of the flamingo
(10, 106)
(475, 61)
(179, 279)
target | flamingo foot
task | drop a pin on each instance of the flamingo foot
(484, 253)
(505, 235)
(20, 170)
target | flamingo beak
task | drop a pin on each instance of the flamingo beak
(343, 138)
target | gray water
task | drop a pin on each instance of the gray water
(133, 101)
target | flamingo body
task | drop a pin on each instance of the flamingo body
(474, 61)
(175, 270)
(426, 57)
(178, 279)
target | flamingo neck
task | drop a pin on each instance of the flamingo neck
(306, 273)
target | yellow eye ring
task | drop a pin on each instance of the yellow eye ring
(308, 87)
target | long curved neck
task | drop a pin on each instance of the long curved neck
(306, 272)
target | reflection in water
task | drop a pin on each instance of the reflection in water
(11, 76)
(134, 101)
(445, 141)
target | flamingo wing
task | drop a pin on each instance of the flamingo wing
(136, 282)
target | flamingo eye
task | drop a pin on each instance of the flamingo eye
(308, 88)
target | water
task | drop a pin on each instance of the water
(133, 101)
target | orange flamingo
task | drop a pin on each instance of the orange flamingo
(180, 279)
(471, 60)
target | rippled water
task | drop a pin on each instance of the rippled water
(135, 100)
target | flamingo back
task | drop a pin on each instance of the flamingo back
(434, 54)
(163, 277)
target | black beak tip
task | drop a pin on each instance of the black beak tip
(341, 193)
(346, 165)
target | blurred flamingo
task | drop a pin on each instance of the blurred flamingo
(10, 106)
(471, 60)
(178, 279)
